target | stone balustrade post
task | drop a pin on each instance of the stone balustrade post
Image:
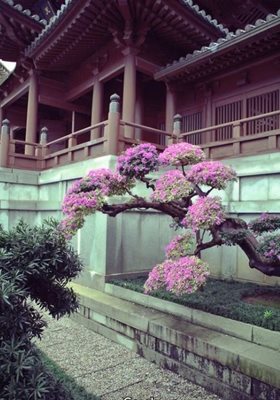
(4, 143)
(44, 140)
(113, 128)
(236, 134)
(177, 127)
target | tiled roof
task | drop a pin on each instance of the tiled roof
(230, 39)
(68, 3)
(25, 11)
(50, 25)
(195, 8)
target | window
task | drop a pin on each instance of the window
(262, 104)
(227, 113)
(192, 122)
(247, 106)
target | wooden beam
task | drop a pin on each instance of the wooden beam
(16, 94)
(63, 104)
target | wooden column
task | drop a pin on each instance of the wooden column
(138, 115)
(96, 109)
(32, 111)
(208, 117)
(169, 109)
(129, 93)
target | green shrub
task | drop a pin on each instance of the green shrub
(36, 263)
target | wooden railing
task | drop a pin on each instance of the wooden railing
(240, 139)
(141, 133)
(115, 135)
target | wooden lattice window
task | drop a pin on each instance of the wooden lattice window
(227, 113)
(262, 104)
(192, 122)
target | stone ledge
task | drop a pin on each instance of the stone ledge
(241, 330)
(30, 205)
(20, 176)
(161, 332)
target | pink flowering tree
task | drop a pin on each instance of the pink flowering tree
(183, 192)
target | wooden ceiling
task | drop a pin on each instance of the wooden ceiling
(91, 24)
(17, 30)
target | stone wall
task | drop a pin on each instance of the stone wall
(135, 241)
(228, 362)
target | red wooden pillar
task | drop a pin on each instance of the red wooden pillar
(32, 114)
(96, 109)
(129, 92)
(169, 109)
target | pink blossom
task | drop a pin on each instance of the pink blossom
(180, 246)
(138, 161)
(172, 185)
(70, 224)
(204, 213)
(155, 280)
(211, 173)
(183, 275)
(103, 179)
(181, 154)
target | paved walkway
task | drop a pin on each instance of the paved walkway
(109, 370)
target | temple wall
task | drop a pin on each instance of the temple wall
(135, 241)
(249, 80)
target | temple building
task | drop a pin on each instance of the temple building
(213, 65)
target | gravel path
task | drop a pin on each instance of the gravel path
(109, 370)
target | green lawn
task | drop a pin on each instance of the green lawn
(226, 298)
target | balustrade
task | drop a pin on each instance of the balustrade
(113, 140)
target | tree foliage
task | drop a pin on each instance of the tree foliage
(36, 263)
(184, 192)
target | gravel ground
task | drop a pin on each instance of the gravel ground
(109, 370)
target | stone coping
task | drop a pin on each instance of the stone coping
(252, 360)
(241, 330)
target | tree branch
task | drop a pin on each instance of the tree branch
(177, 211)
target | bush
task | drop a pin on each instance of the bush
(36, 263)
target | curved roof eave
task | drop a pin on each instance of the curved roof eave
(216, 48)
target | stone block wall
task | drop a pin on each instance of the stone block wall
(135, 241)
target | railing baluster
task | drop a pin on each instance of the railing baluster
(5, 143)
(113, 128)
(177, 127)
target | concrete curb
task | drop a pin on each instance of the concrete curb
(241, 330)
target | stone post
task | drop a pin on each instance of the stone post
(113, 127)
(129, 93)
(44, 140)
(5, 143)
(177, 127)
(236, 134)
(32, 111)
